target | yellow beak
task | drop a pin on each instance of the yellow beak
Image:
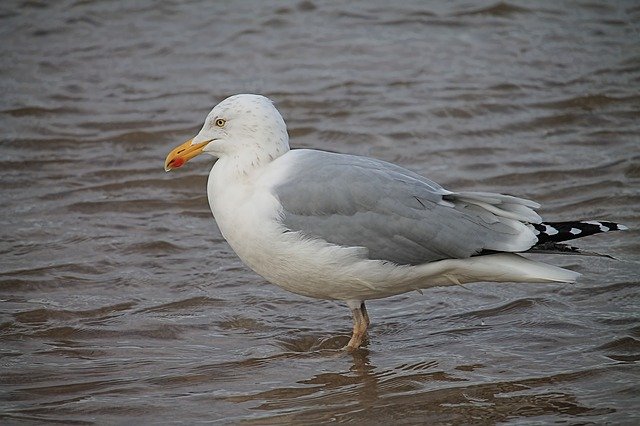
(183, 153)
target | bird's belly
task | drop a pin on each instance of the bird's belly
(309, 267)
(273, 254)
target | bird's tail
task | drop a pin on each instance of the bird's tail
(497, 267)
(511, 267)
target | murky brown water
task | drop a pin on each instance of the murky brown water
(121, 301)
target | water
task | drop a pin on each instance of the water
(121, 301)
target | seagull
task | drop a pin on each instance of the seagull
(351, 228)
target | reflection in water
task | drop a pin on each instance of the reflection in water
(418, 392)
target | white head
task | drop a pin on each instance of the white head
(246, 127)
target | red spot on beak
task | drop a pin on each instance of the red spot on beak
(177, 162)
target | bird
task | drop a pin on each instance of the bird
(350, 228)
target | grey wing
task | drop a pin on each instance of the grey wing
(397, 215)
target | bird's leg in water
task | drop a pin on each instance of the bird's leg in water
(360, 323)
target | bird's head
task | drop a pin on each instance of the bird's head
(241, 125)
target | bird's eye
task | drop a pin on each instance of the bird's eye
(220, 122)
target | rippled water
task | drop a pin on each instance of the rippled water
(120, 300)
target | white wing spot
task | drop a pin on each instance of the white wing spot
(575, 231)
(603, 228)
(550, 230)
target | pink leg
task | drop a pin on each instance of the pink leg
(360, 324)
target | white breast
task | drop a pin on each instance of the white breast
(244, 210)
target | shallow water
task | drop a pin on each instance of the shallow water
(120, 300)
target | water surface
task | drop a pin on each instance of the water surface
(120, 300)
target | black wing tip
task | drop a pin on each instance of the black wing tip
(604, 225)
(563, 231)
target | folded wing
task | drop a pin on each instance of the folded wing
(397, 215)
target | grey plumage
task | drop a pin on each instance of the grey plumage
(397, 215)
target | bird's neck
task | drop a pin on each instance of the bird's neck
(245, 164)
(233, 180)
